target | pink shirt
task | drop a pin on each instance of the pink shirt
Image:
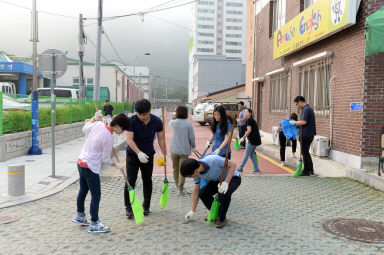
(98, 147)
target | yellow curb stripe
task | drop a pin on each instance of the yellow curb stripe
(275, 163)
(16, 172)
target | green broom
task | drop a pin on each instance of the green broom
(257, 161)
(236, 145)
(165, 190)
(213, 214)
(137, 208)
(299, 169)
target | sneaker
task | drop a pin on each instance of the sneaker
(242, 147)
(294, 156)
(220, 224)
(256, 172)
(283, 164)
(146, 211)
(129, 213)
(97, 227)
(180, 193)
(239, 170)
(81, 220)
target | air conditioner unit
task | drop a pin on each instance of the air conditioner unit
(320, 146)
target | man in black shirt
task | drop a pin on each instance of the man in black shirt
(108, 109)
(308, 123)
(254, 139)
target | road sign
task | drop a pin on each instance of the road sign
(356, 106)
(45, 63)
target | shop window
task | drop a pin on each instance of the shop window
(314, 85)
(279, 92)
(276, 15)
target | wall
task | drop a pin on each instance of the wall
(348, 69)
(18, 144)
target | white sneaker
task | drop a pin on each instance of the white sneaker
(283, 164)
(294, 156)
(180, 193)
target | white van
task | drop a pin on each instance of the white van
(198, 113)
(59, 92)
(8, 87)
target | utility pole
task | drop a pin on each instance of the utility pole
(96, 89)
(35, 149)
(81, 55)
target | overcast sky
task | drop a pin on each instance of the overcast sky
(163, 34)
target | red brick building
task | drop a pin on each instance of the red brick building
(316, 49)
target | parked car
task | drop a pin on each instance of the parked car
(198, 113)
(7, 87)
(209, 113)
(230, 110)
(59, 92)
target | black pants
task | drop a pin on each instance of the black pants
(307, 160)
(242, 130)
(283, 143)
(133, 165)
(210, 189)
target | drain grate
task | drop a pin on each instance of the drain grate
(355, 229)
(9, 218)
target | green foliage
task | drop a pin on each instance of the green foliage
(66, 112)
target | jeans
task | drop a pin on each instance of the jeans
(133, 165)
(242, 130)
(307, 160)
(89, 181)
(210, 189)
(283, 142)
(249, 151)
(177, 159)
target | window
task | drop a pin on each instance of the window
(234, 4)
(75, 81)
(205, 34)
(234, 20)
(235, 12)
(89, 81)
(276, 15)
(205, 18)
(205, 11)
(204, 50)
(308, 3)
(233, 43)
(206, 3)
(234, 27)
(279, 92)
(205, 42)
(233, 36)
(232, 51)
(314, 84)
(206, 26)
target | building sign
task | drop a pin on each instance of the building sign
(318, 21)
(356, 106)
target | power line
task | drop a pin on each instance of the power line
(45, 12)
(114, 49)
(94, 45)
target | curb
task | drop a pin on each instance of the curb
(367, 178)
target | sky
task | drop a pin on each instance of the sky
(163, 34)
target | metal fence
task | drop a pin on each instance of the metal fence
(16, 112)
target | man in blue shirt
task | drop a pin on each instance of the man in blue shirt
(308, 123)
(210, 168)
(140, 151)
(241, 122)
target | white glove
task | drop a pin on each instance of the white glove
(292, 122)
(216, 152)
(208, 144)
(241, 140)
(189, 215)
(223, 187)
(194, 150)
(119, 166)
(98, 115)
(143, 157)
(165, 159)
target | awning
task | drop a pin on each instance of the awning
(374, 34)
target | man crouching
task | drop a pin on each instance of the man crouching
(210, 168)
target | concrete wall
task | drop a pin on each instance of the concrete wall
(18, 144)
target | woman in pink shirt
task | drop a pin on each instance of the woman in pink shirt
(97, 150)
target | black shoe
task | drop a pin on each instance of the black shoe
(129, 213)
(221, 224)
(305, 174)
(146, 211)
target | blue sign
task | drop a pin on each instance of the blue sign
(17, 67)
(356, 106)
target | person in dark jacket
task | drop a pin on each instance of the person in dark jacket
(108, 109)
(283, 141)
(254, 140)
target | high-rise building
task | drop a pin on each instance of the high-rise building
(218, 27)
